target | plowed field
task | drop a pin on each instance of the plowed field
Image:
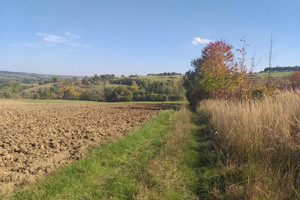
(37, 138)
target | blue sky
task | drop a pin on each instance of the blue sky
(86, 37)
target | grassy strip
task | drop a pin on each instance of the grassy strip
(214, 179)
(172, 174)
(111, 171)
(176, 78)
(205, 159)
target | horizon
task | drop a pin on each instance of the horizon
(72, 75)
(76, 38)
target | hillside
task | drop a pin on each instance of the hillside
(24, 77)
(105, 87)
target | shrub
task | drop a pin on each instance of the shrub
(295, 79)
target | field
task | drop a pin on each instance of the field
(37, 138)
(275, 74)
(162, 78)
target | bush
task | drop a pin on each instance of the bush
(295, 79)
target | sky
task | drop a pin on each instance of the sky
(87, 37)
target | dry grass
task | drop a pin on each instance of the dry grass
(261, 140)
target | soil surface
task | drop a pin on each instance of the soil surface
(36, 138)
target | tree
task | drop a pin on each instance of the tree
(134, 86)
(215, 74)
(68, 82)
(122, 93)
(71, 94)
(86, 81)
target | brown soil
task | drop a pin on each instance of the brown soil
(37, 138)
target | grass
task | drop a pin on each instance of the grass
(226, 150)
(172, 174)
(258, 146)
(156, 161)
(275, 74)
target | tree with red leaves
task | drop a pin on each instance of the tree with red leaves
(216, 74)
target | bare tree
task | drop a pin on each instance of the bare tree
(243, 51)
(254, 63)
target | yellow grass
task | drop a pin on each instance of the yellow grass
(261, 138)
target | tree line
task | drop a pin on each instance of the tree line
(146, 90)
(282, 69)
(165, 74)
(131, 91)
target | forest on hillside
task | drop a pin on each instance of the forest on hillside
(107, 87)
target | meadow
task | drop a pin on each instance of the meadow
(258, 145)
(274, 74)
(176, 78)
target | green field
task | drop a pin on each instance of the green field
(161, 78)
(275, 74)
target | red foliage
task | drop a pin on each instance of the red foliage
(222, 75)
(295, 79)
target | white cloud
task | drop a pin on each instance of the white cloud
(198, 40)
(72, 35)
(52, 38)
(69, 39)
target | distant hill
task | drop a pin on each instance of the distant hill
(27, 77)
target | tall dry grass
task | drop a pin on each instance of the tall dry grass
(262, 139)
